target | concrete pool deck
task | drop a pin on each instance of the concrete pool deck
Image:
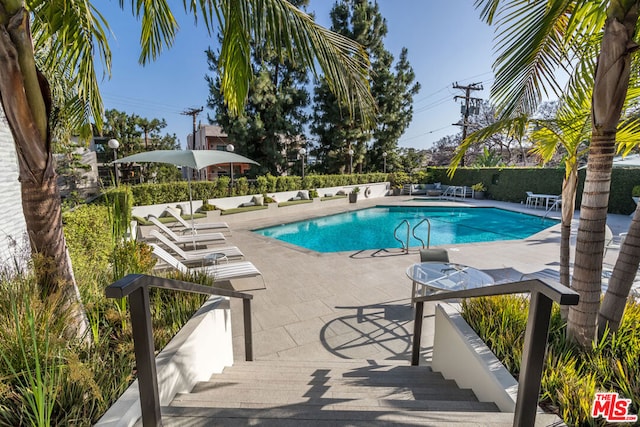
(355, 305)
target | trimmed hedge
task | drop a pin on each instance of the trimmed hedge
(511, 184)
(152, 194)
(506, 184)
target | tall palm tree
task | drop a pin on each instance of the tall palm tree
(567, 133)
(41, 39)
(535, 39)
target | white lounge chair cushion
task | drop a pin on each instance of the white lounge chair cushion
(218, 272)
(229, 271)
(197, 254)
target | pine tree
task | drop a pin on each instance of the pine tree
(392, 87)
(270, 130)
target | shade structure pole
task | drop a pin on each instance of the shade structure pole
(193, 227)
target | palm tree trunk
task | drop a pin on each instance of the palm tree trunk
(609, 91)
(590, 241)
(569, 187)
(624, 273)
(25, 98)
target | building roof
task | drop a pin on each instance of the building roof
(213, 130)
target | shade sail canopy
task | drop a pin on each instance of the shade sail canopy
(630, 161)
(195, 159)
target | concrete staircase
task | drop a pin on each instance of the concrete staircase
(334, 393)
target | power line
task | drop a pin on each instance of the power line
(426, 133)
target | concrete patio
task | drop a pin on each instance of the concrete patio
(355, 305)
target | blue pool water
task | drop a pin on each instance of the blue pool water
(372, 228)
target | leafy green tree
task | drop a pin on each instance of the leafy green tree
(274, 116)
(44, 42)
(412, 160)
(137, 134)
(392, 86)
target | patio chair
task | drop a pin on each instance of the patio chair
(232, 270)
(183, 239)
(531, 199)
(611, 241)
(450, 191)
(196, 255)
(198, 226)
(429, 255)
(434, 255)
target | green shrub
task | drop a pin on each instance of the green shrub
(222, 186)
(206, 206)
(635, 191)
(272, 183)
(262, 185)
(242, 186)
(571, 375)
(88, 236)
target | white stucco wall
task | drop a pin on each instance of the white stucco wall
(13, 241)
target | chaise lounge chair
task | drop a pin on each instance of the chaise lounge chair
(197, 255)
(232, 270)
(198, 226)
(184, 239)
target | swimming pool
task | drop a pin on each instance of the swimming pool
(372, 228)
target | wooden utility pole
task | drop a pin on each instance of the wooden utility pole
(470, 106)
(193, 112)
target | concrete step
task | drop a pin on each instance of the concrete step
(417, 392)
(336, 393)
(247, 393)
(352, 370)
(384, 381)
(294, 416)
(368, 405)
(357, 363)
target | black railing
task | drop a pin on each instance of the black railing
(136, 287)
(535, 340)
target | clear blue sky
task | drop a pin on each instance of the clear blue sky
(447, 43)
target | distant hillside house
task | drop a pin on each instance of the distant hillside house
(212, 137)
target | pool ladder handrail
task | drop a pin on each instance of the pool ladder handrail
(428, 232)
(405, 247)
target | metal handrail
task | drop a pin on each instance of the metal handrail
(136, 287)
(535, 340)
(404, 248)
(413, 231)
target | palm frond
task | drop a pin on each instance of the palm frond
(537, 40)
(75, 33)
(530, 51)
(292, 34)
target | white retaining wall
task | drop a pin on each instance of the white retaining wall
(379, 189)
(201, 348)
(14, 244)
(459, 354)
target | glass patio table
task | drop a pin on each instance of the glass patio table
(444, 276)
